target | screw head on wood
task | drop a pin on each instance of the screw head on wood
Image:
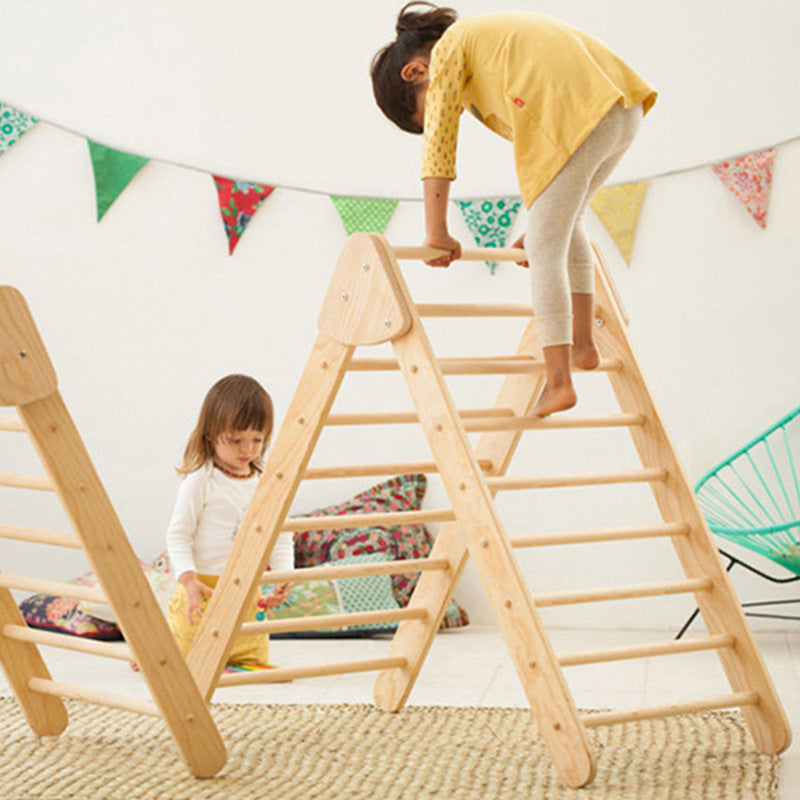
(344, 296)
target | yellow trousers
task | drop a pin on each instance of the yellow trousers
(251, 650)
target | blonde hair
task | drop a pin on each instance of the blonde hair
(233, 403)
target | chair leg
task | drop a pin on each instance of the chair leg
(693, 615)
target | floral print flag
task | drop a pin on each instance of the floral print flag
(113, 171)
(238, 202)
(13, 124)
(750, 179)
(364, 213)
(618, 208)
(490, 221)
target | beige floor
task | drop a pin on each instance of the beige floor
(471, 667)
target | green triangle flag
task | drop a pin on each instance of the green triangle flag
(490, 220)
(113, 171)
(13, 124)
(364, 213)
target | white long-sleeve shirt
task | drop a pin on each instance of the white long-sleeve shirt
(208, 511)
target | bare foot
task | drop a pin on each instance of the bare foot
(553, 399)
(585, 356)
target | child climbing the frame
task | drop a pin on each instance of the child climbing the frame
(570, 106)
(221, 467)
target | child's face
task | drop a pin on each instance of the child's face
(237, 449)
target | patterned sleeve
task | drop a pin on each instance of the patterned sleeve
(443, 109)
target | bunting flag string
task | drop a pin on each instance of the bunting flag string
(113, 171)
(490, 220)
(238, 202)
(364, 213)
(618, 208)
(13, 125)
(749, 177)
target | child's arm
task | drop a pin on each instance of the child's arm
(436, 194)
(195, 590)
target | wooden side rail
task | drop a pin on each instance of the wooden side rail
(312, 671)
(338, 571)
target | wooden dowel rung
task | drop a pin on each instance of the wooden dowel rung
(671, 647)
(312, 671)
(39, 536)
(12, 481)
(366, 470)
(367, 520)
(77, 644)
(656, 712)
(622, 592)
(490, 365)
(333, 620)
(561, 481)
(600, 535)
(406, 417)
(39, 585)
(336, 572)
(467, 254)
(11, 424)
(99, 698)
(556, 422)
(474, 310)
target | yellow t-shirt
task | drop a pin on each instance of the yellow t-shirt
(538, 82)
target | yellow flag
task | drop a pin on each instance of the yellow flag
(618, 209)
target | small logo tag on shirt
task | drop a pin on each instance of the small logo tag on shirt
(519, 101)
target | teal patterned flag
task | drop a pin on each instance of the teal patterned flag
(364, 213)
(490, 221)
(113, 171)
(13, 124)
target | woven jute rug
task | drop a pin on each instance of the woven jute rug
(355, 752)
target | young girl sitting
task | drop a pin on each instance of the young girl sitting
(221, 467)
(570, 106)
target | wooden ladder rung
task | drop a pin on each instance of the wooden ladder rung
(39, 585)
(670, 647)
(554, 423)
(39, 536)
(406, 417)
(45, 686)
(335, 572)
(474, 310)
(312, 671)
(601, 535)
(11, 424)
(78, 644)
(367, 520)
(13, 481)
(366, 470)
(419, 253)
(622, 592)
(656, 712)
(481, 365)
(333, 620)
(587, 479)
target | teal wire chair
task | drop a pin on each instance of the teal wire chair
(753, 499)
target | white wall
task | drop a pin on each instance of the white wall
(142, 312)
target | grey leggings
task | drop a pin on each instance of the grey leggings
(558, 249)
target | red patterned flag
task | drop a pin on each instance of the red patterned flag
(750, 179)
(238, 202)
